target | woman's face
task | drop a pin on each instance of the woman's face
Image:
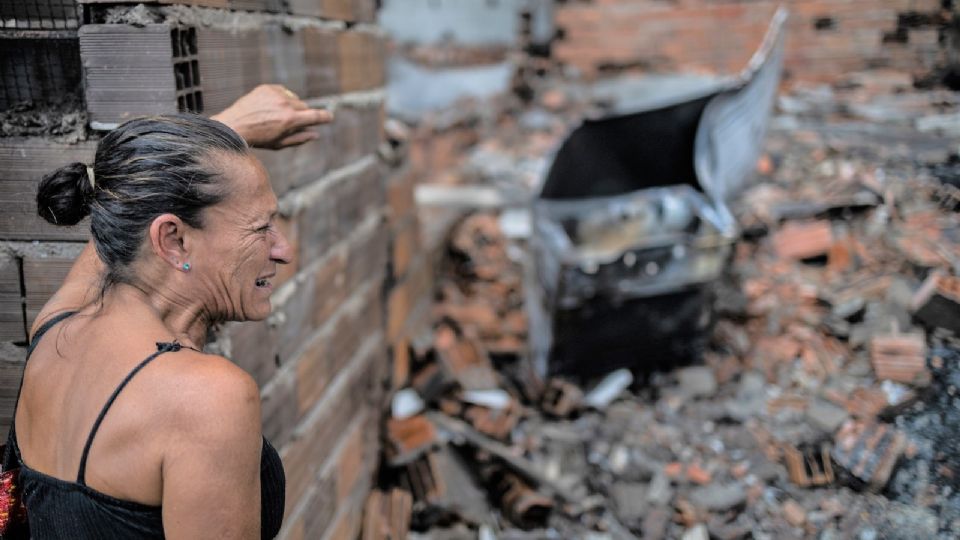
(239, 247)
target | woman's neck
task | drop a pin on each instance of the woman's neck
(187, 321)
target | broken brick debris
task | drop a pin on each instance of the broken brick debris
(806, 355)
(811, 467)
(410, 437)
(803, 240)
(869, 451)
(900, 358)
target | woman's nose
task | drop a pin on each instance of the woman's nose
(282, 251)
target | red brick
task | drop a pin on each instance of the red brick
(362, 56)
(406, 243)
(358, 259)
(317, 434)
(330, 350)
(331, 279)
(900, 358)
(321, 62)
(294, 318)
(359, 131)
(365, 10)
(350, 463)
(398, 309)
(400, 354)
(400, 194)
(803, 240)
(338, 9)
(338, 210)
(368, 257)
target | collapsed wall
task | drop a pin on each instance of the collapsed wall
(322, 358)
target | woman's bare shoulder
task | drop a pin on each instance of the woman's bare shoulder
(206, 391)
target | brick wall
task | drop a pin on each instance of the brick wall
(343, 308)
(826, 38)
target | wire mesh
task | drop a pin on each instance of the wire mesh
(39, 71)
(39, 14)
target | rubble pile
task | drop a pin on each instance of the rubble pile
(826, 406)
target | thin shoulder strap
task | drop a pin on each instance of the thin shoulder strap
(44, 328)
(162, 347)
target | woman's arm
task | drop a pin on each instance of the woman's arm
(211, 468)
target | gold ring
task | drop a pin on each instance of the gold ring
(291, 94)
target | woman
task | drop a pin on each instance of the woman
(124, 428)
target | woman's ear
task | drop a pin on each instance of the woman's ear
(167, 233)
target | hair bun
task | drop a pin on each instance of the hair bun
(63, 197)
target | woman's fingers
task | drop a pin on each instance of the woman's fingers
(297, 138)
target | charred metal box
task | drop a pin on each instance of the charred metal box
(632, 228)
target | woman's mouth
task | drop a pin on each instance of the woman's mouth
(263, 283)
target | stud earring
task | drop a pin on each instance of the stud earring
(186, 267)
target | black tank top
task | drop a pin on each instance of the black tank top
(57, 508)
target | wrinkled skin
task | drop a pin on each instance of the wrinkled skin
(239, 245)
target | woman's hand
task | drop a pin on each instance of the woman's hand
(271, 116)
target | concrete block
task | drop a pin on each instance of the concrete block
(129, 70)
